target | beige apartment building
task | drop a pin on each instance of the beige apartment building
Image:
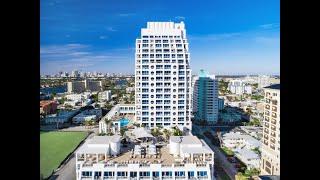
(270, 159)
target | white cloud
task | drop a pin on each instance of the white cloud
(110, 29)
(126, 14)
(103, 37)
(270, 26)
(73, 56)
(181, 18)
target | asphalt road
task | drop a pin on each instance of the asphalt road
(219, 156)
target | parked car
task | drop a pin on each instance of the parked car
(238, 165)
(232, 159)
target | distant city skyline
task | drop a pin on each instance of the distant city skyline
(226, 38)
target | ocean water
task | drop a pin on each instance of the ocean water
(50, 90)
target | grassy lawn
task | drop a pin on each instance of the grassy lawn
(55, 146)
(227, 151)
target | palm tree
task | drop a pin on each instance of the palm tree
(108, 122)
(166, 133)
(156, 132)
(86, 123)
(92, 123)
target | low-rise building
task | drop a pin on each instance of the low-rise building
(239, 87)
(253, 131)
(185, 157)
(60, 117)
(78, 97)
(129, 89)
(248, 157)
(104, 96)
(87, 115)
(237, 140)
(48, 107)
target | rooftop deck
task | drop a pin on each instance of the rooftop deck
(127, 156)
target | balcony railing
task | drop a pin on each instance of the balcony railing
(180, 177)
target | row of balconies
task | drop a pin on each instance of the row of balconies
(160, 50)
(165, 56)
(161, 79)
(171, 60)
(142, 177)
(159, 61)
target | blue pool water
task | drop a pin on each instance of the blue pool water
(124, 122)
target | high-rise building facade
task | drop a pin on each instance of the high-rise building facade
(85, 85)
(163, 76)
(270, 154)
(239, 87)
(76, 87)
(205, 98)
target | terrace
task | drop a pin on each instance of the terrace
(143, 151)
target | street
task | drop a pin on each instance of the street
(219, 156)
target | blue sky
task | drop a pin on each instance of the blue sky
(225, 36)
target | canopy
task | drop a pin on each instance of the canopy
(141, 133)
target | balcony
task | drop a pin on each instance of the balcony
(274, 102)
(108, 177)
(86, 178)
(267, 107)
(122, 177)
(145, 177)
(273, 141)
(167, 177)
(203, 177)
(180, 177)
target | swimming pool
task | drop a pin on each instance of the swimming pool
(124, 122)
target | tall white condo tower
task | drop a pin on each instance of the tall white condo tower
(163, 76)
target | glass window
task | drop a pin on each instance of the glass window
(108, 173)
(191, 174)
(155, 174)
(86, 173)
(133, 174)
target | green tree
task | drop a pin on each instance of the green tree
(240, 176)
(156, 132)
(177, 132)
(108, 122)
(166, 134)
(252, 172)
(86, 124)
(123, 130)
